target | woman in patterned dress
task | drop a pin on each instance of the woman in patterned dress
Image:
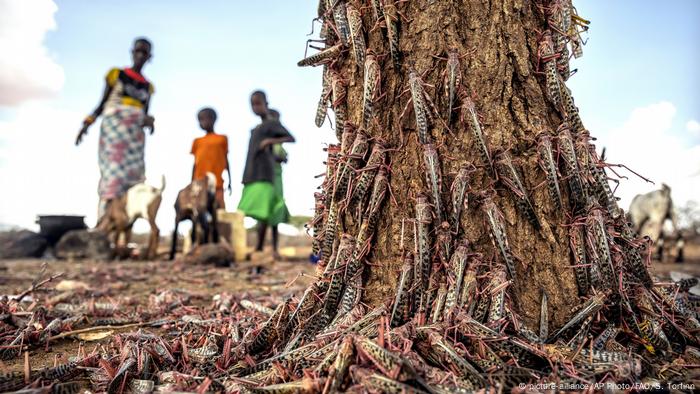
(124, 110)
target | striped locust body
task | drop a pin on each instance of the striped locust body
(364, 236)
(366, 178)
(341, 364)
(377, 10)
(424, 217)
(563, 59)
(357, 36)
(386, 361)
(575, 34)
(318, 222)
(686, 284)
(340, 19)
(376, 198)
(560, 19)
(449, 356)
(439, 304)
(481, 308)
(324, 56)
(307, 306)
(270, 330)
(589, 308)
(322, 108)
(391, 19)
(497, 288)
(335, 289)
(347, 138)
(351, 297)
(571, 111)
(372, 78)
(329, 231)
(549, 166)
(608, 334)
(577, 241)
(420, 106)
(402, 303)
(456, 272)
(467, 296)
(339, 94)
(601, 186)
(551, 76)
(498, 235)
(458, 194)
(375, 382)
(331, 167)
(434, 282)
(453, 80)
(510, 176)
(567, 152)
(654, 336)
(544, 318)
(472, 119)
(633, 258)
(431, 161)
(600, 249)
(357, 153)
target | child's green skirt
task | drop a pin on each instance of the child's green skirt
(264, 202)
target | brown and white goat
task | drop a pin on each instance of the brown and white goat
(140, 201)
(197, 202)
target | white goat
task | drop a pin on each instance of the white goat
(648, 213)
(140, 201)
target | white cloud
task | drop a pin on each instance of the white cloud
(693, 126)
(41, 170)
(27, 70)
(646, 144)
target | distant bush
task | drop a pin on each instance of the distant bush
(299, 221)
(689, 217)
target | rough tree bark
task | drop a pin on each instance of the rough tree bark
(497, 43)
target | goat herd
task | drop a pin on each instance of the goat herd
(195, 202)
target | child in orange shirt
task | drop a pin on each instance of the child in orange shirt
(211, 154)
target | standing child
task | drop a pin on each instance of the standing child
(280, 213)
(211, 154)
(259, 198)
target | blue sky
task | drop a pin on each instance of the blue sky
(637, 89)
(639, 52)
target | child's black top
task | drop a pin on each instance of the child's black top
(260, 163)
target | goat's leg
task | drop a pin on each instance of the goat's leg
(204, 238)
(127, 235)
(117, 233)
(214, 226)
(660, 244)
(193, 233)
(679, 256)
(153, 240)
(173, 244)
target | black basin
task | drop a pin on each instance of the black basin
(54, 226)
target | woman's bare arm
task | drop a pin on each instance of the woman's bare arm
(95, 114)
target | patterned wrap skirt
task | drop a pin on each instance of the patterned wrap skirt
(121, 150)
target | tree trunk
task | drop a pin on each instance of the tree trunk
(497, 45)
(465, 192)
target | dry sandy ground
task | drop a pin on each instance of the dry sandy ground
(131, 283)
